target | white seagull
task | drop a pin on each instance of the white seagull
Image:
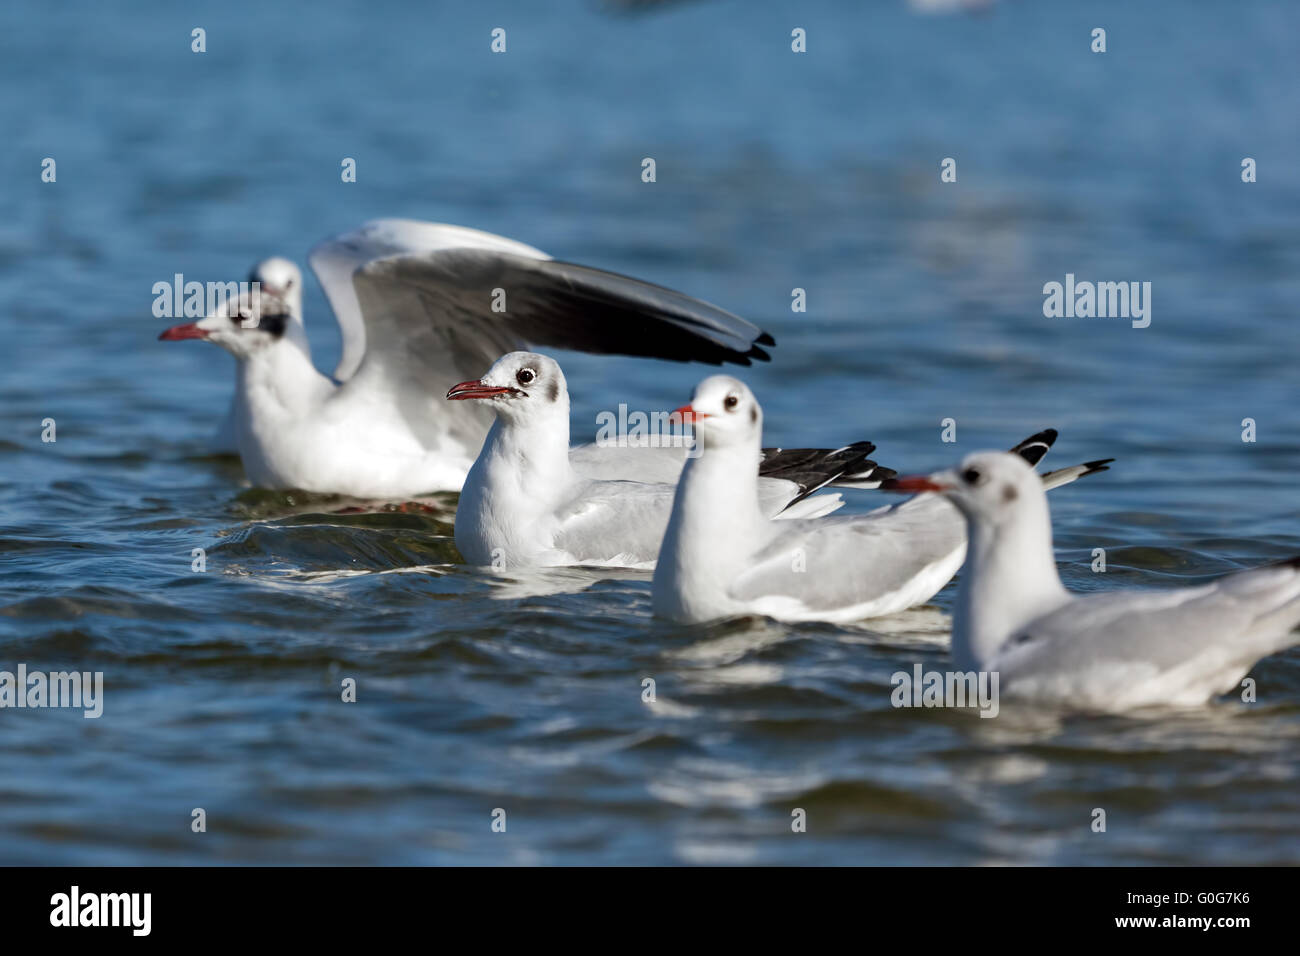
(1109, 650)
(721, 557)
(531, 501)
(280, 280)
(422, 305)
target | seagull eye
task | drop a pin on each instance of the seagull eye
(730, 402)
(971, 476)
(525, 376)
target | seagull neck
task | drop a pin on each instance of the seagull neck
(295, 334)
(1009, 580)
(281, 374)
(716, 519)
(537, 451)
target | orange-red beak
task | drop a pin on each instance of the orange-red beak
(190, 330)
(689, 415)
(911, 484)
(475, 389)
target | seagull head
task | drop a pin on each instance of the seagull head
(519, 386)
(243, 325)
(724, 412)
(282, 279)
(989, 487)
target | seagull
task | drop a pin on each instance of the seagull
(279, 278)
(721, 558)
(1106, 651)
(417, 303)
(531, 501)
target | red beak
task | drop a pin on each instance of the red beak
(475, 389)
(178, 332)
(688, 415)
(910, 484)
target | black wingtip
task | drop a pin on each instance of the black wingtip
(1101, 464)
(1033, 448)
(812, 469)
(1046, 437)
(766, 339)
(1286, 563)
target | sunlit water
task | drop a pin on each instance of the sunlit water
(775, 171)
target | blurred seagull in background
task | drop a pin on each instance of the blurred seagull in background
(281, 281)
(721, 557)
(1109, 650)
(531, 501)
(421, 303)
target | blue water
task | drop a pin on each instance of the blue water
(774, 171)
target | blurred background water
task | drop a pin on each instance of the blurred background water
(775, 170)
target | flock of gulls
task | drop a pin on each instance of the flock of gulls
(728, 527)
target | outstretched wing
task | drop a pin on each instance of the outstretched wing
(336, 260)
(400, 287)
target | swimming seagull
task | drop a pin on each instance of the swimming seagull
(281, 279)
(421, 303)
(1102, 651)
(722, 558)
(531, 501)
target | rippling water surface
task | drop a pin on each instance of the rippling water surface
(775, 171)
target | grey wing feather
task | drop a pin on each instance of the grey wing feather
(615, 522)
(1236, 620)
(856, 558)
(612, 463)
